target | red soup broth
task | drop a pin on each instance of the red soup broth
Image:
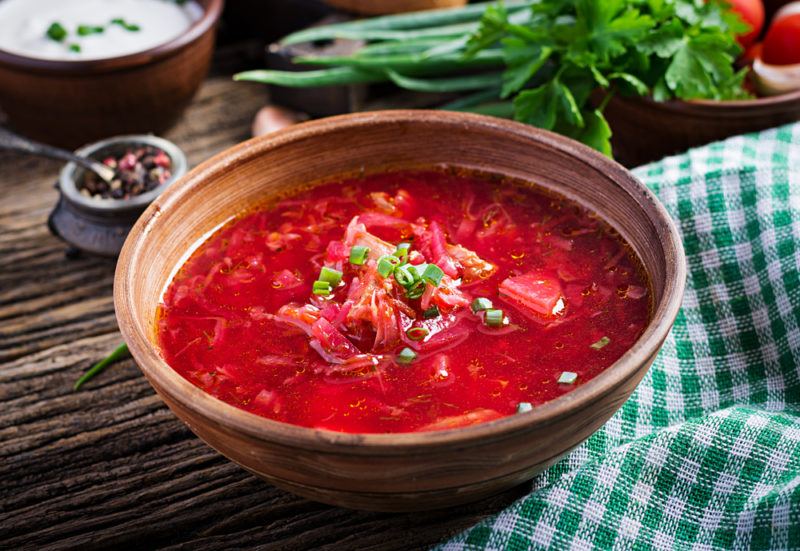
(411, 350)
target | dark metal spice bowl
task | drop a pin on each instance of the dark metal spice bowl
(99, 226)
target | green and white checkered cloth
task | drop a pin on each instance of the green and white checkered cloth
(706, 453)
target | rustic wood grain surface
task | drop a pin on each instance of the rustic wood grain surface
(110, 466)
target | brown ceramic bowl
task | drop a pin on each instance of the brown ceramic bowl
(408, 471)
(646, 130)
(69, 103)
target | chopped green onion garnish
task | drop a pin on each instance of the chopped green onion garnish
(481, 304)
(493, 317)
(86, 30)
(417, 333)
(402, 250)
(567, 378)
(358, 255)
(433, 274)
(403, 276)
(387, 264)
(125, 25)
(430, 313)
(74, 47)
(334, 277)
(57, 32)
(416, 290)
(601, 343)
(322, 288)
(119, 352)
(406, 356)
(524, 407)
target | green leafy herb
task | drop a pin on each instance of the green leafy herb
(120, 352)
(554, 64)
(74, 47)
(602, 343)
(56, 31)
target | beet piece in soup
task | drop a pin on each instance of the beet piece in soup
(403, 302)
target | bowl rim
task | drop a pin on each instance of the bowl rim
(173, 386)
(212, 10)
(713, 108)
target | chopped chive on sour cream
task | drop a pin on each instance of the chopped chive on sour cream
(56, 32)
(72, 30)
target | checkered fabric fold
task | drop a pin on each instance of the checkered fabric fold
(706, 453)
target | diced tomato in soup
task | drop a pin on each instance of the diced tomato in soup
(501, 288)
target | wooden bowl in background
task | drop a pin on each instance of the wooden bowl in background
(407, 471)
(379, 7)
(646, 130)
(69, 103)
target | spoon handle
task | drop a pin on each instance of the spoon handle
(13, 142)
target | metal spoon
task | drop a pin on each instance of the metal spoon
(14, 142)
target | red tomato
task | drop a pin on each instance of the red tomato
(752, 53)
(752, 12)
(782, 43)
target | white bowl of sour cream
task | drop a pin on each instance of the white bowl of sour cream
(73, 71)
(92, 29)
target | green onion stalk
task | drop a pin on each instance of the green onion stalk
(119, 353)
(553, 64)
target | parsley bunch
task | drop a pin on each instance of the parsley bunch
(568, 48)
(549, 63)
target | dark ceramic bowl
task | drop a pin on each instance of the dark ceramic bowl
(647, 130)
(69, 103)
(100, 226)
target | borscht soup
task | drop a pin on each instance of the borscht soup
(404, 301)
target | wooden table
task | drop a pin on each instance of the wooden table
(110, 465)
